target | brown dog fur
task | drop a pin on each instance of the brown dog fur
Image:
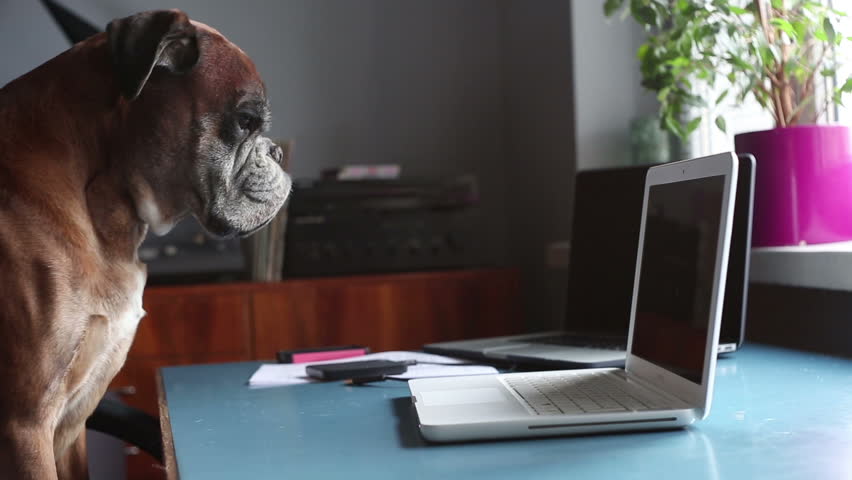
(70, 277)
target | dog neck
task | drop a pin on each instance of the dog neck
(112, 210)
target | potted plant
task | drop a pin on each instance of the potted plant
(779, 52)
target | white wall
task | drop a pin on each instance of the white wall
(607, 89)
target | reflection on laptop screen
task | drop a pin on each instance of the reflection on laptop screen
(676, 276)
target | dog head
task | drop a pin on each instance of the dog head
(192, 112)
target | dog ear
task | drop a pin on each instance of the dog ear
(141, 42)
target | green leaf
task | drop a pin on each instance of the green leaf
(779, 4)
(679, 62)
(767, 56)
(671, 124)
(692, 125)
(642, 52)
(759, 95)
(738, 10)
(814, 7)
(684, 45)
(754, 50)
(675, 127)
(612, 6)
(787, 27)
(740, 63)
(800, 74)
(743, 93)
(695, 101)
(801, 27)
(828, 72)
(643, 14)
(721, 97)
(847, 87)
(682, 5)
(829, 30)
(712, 80)
(762, 99)
(720, 122)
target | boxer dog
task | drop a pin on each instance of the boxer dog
(155, 119)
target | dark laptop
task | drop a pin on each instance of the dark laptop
(607, 216)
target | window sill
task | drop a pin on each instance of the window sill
(824, 266)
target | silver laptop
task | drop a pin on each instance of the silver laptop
(675, 317)
(603, 257)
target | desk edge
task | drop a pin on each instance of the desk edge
(172, 472)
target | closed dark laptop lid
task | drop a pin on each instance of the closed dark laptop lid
(605, 237)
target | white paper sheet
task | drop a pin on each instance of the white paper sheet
(278, 374)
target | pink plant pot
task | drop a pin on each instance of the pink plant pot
(803, 184)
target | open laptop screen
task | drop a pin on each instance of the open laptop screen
(604, 243)
(677, 273)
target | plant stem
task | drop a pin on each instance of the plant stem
(762, 13)
(777, 109)
(786, 89)
(807, 92)
(776, 79)
(803, 103)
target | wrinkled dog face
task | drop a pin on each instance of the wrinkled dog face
(241, 184)
(194, 119)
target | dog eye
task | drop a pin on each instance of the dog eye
(248, 122)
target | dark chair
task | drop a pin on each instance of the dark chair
(128, 424)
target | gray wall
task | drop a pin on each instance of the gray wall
(412, 82)
(440, 86)
(572, 87)
(28, 37)
(608, 94)
(539, 128)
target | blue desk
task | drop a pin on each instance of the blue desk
(776, 414)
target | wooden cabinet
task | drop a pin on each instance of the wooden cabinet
(184, 322)
(238, 322)
(393, 312)
(183, 326)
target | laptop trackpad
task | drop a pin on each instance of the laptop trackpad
(464, 396)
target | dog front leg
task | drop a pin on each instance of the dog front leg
(26, 453)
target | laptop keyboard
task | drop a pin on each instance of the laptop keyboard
(587, 341)
(576, 393)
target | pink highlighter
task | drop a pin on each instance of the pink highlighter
(320, 354)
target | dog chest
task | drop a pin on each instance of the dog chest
(121, 328)
(103, 350)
